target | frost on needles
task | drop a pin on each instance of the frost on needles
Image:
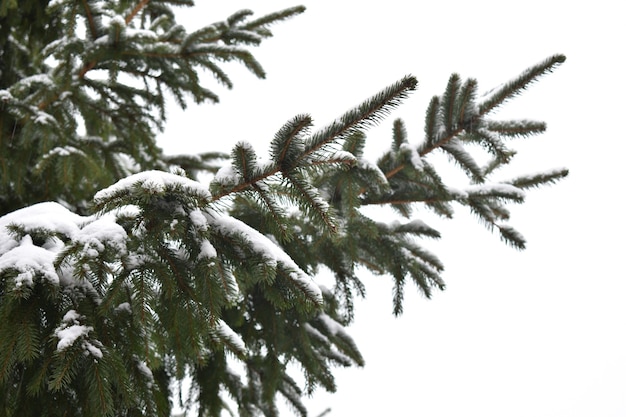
(122, 275)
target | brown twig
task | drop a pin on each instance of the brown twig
(136, 10)
(92, 24)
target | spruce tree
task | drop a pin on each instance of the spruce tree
(122, 275)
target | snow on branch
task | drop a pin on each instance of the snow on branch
(515, 86)
(155, 183)
(32, 238)
(507, 191)
(268, 251)
(369, 113)
(70, 331)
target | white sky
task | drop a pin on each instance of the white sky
(536, 333)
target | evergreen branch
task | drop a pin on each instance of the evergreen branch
(497, 162)
(218, 73)
(92, 24)
(449, 102)
(230, 339)
(171, 259)
(7, 355)
(94, 34)
(65, 372)
(465, 108)
(244, 37)
(489, 141)
(355, 144)
(268, 19)
(416, 186)
(500, 211)
(342, 158)
(310, 200)
(336, 333)
(398, 295)
(435, 137)
(516, 128)
(517, 85)
(287, 142)
(192, 164)
(220, 189)
(483, 211)
(325, 412)
(396, 170)
(399, 201)
(289, 389)
(512, 237)
(399, 134)
(136, 10)
(238, 17)
(103, 401)
(431, 126)
(502, 191)
(426, 278)
(536, 180)
(418, 228)
(245, 160)
(455, 149)
(38, 383)
(425, 255)
(277, 216)
(227, 281)
(367, 114)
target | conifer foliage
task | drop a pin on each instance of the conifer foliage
(121, 275)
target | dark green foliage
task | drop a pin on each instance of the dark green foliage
(112, 80)
(138, 277)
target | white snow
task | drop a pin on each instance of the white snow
(44, 118)
(548, 172)
(456, 193)
(207, 250)
(419, 224)
(342, 155)
(198, 219)
(71, 330)
(64, 150)
(37, 79)
(5, 95)
(103, 229)
(154, 181)
(225, 332)
(55, 3)
(333, 327)
(93, 350)
(316, 334)
(71, 316)
(29, 260)
(124, 307)
(118, 20)
(42, 216)
(371, 166)
(265, 247)
(145, 371)
(488, 189)
(227, 175)
(413, 151)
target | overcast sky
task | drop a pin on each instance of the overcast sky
(536, 333)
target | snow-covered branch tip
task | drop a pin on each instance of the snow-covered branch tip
(367, 114)
(515, 86)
